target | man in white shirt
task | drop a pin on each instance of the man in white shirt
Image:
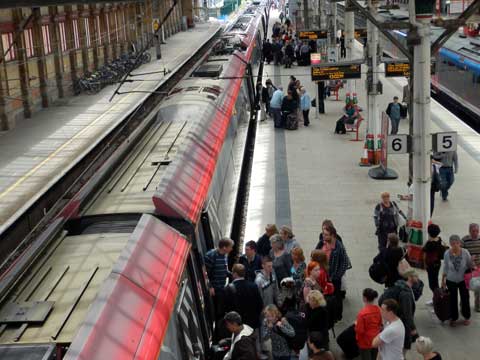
(390, 341)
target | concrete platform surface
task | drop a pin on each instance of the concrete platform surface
(303, 177)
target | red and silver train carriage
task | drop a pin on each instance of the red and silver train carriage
(119, 275)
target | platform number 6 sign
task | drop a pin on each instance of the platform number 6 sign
(398, 144)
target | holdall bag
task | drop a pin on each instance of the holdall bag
(291, 122)
(469, 276)
(441, 304)
(378, 272)
(348, 343)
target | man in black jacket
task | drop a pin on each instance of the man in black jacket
(263, 243)
(402, 292)
(243, 297)
(243, 345)
(251, 260)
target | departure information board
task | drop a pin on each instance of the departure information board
(360, 34)
(312, 34)
(397, 69)
(336, 72)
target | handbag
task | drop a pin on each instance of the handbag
(403, 266)
(475, 284)
(469, 276)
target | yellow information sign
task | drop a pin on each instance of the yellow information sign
(397, 69)
(337, 72)
(312, 34)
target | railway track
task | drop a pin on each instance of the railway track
(33, 222)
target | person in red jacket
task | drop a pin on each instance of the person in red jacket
(368, 325)
(320, 257)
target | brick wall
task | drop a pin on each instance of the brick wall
(53, 46)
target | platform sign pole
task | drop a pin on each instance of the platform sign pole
(332, 33)
(349, 42)
(323, 20)
(373, 120)
(421, 115)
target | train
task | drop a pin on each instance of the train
(456, 78)
(120, 273)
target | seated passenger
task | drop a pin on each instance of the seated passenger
(348, 118)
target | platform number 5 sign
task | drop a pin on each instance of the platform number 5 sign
(445, 141)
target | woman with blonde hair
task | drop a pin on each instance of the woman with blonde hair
(277, 328)
(424, 347)
(317, 315)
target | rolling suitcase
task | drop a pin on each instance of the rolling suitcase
(348, 343)
(441, 304)
(291, 122)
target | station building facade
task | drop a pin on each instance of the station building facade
(49, 45)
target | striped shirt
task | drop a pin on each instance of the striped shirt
(217, 269)
(473, 247)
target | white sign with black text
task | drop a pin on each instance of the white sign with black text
(445, 141)
(398, 144)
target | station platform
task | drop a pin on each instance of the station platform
(42, 149)
(302, 177)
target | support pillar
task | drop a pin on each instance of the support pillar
(332, 33)
(421, 125)
(306, 15)
(373, 118)
(349, 42)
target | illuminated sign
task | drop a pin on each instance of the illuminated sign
(336, 72)
(397, 69)
(360, 34)
(315, 58)
(312, 34)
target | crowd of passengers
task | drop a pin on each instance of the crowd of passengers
(280, 303)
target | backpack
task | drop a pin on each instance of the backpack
(299, 323)
(390, 293)
(378, 272)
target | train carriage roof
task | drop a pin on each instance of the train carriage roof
(129, 318)
(183, 190)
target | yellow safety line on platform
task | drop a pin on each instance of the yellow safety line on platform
(52, 155)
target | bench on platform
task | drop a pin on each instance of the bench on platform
(335, 89)
(355, 127)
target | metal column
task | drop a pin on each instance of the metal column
(332, 32)
(373, 119)
(349, 41)
(421, 126)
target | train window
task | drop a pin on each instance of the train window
(192, 88)
(175, 91)
(189, 322)
(215, 90)
(171, 349)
